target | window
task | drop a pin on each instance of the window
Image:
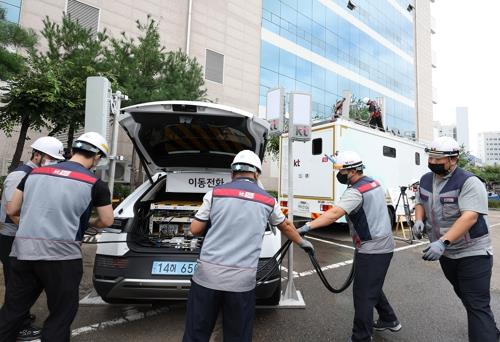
(12, 10)
(214, 66)
(389, 152)
(417, 158)
(87, 16)
(317, 146)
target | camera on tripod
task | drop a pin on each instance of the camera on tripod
(403, 188)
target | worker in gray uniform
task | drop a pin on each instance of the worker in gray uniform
(234, 217)
(46, 150)
(452, 207)
(54, 203)
(363, 204)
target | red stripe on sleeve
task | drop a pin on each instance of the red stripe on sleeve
(248, 195)
(52, 171)
(368, 186)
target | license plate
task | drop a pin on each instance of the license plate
(173, 268)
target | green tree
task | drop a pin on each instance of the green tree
(31, 97)
(50, 91)
(77, 53)
(14, 40)
(145, 71)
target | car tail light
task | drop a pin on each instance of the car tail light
(325, 207)
(111, 262)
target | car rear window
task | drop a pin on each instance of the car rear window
(176, 140)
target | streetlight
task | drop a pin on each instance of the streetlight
(351, 5)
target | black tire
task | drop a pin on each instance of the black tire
(273, 300)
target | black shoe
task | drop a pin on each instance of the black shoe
(380, 325)
(29, 333)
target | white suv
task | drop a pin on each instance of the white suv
(186, 149)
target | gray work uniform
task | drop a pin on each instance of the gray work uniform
(238, 213)
(370, 226)
(468, 261)
(56, 207)
(368, 218)
(444, 199)
(55, 213)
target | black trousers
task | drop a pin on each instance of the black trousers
(470, 277)
(376, 121)
(59, 279)
(238, 311)
(369, 277)
(5, 248)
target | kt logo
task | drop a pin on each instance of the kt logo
(296, 163)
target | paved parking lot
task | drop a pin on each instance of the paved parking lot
(424, 301)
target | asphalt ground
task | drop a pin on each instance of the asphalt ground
(422, 298)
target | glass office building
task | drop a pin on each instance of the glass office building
(323, 48)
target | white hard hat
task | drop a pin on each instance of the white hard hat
(50, 146)
(443, 147)
(92, 142)
(365, 100)
(348, 160)
(246, 161)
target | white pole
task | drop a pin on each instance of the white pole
(115, 109)
(290, 291)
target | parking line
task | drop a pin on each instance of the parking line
(133, 315)
(494, 225)
(342, 263)
(330, 242)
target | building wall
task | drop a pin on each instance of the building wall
(489, 147)
(448, 131)
(463, 127)
(322, 47)
(424, 70)
(229, 27)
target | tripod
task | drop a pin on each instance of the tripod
(406, 207)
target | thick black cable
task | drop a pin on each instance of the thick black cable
(281, 254)
(325, 282)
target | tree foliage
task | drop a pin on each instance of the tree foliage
(76, 53)
(50, 91)
(145, 71)
(14, 40)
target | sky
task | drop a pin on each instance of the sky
(468, 63)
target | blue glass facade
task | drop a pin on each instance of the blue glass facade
(383, 57)
(12, 10)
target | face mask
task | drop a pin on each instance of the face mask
(438, 169)
(100, 164)
(49, 162)
(343, 178)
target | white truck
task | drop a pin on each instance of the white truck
(392, 160)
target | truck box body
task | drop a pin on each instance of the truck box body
(393, 161)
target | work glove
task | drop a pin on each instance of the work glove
(303, 230)
(306, 246)
(434, 251)
(418, 229)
